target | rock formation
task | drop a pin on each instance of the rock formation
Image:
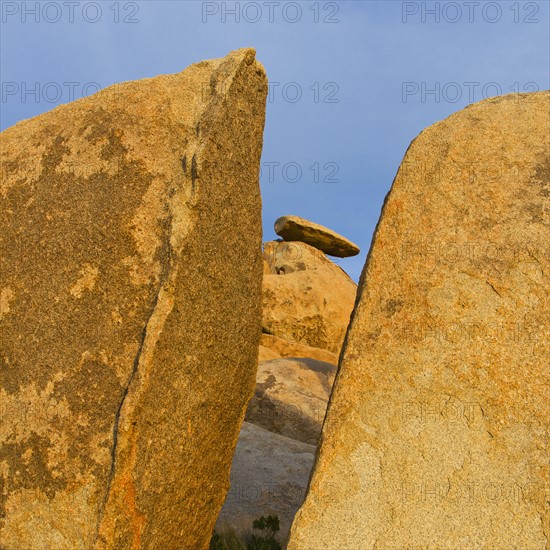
(272, 347)
(307, 303)
(306, 298)
(291, 397)
(294, 228)
(130, 307)
(266, 354)
(435, 435)
(269, 476)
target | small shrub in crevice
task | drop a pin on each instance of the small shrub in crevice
(262, 537)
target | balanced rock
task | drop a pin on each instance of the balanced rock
(291, 397)
(308, 299)
(130, 307)
(272, 347)
(294, 228)
(269, 476)
(436, 433)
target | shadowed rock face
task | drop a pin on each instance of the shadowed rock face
(435, 432)
(130, 308)
(269, 476)
(291, 397)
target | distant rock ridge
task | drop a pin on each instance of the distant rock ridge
(307, 304)
(307, 298)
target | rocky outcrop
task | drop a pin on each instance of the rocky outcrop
(294, 228)
(291, 397)
(307, 298)
(272, 347)
(435, 433)
(269, 476)
(314, 298)
(129, 352)
(285, 257)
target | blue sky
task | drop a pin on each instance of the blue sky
(350, 80)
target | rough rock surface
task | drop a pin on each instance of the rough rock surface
(272, 347)
(291, 397)
(308, 299)
(269, 476)
(435, 435)
(265, 354)
(267, 268)
(130, 307)
(294, 228)
(286, 257)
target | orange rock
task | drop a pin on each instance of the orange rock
(294, 228)
(280, 347)
(436, 433)
(307, 299)
(130, 305)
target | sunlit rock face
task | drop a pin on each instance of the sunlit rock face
(435, 435)
(131, 308)
(307, 298)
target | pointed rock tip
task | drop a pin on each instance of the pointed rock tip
(248, 56)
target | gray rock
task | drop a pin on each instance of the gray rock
(269, 476)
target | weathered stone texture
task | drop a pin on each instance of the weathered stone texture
(272, 347)
(307, 298)
(291, 397)
(436, 432)
(294, 228)
(130, 304)
(268, 477)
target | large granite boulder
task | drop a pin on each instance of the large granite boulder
(307, 298)
(291, 397)
(294, 228)
(436, 432)
(130, 307)
(269, 476)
